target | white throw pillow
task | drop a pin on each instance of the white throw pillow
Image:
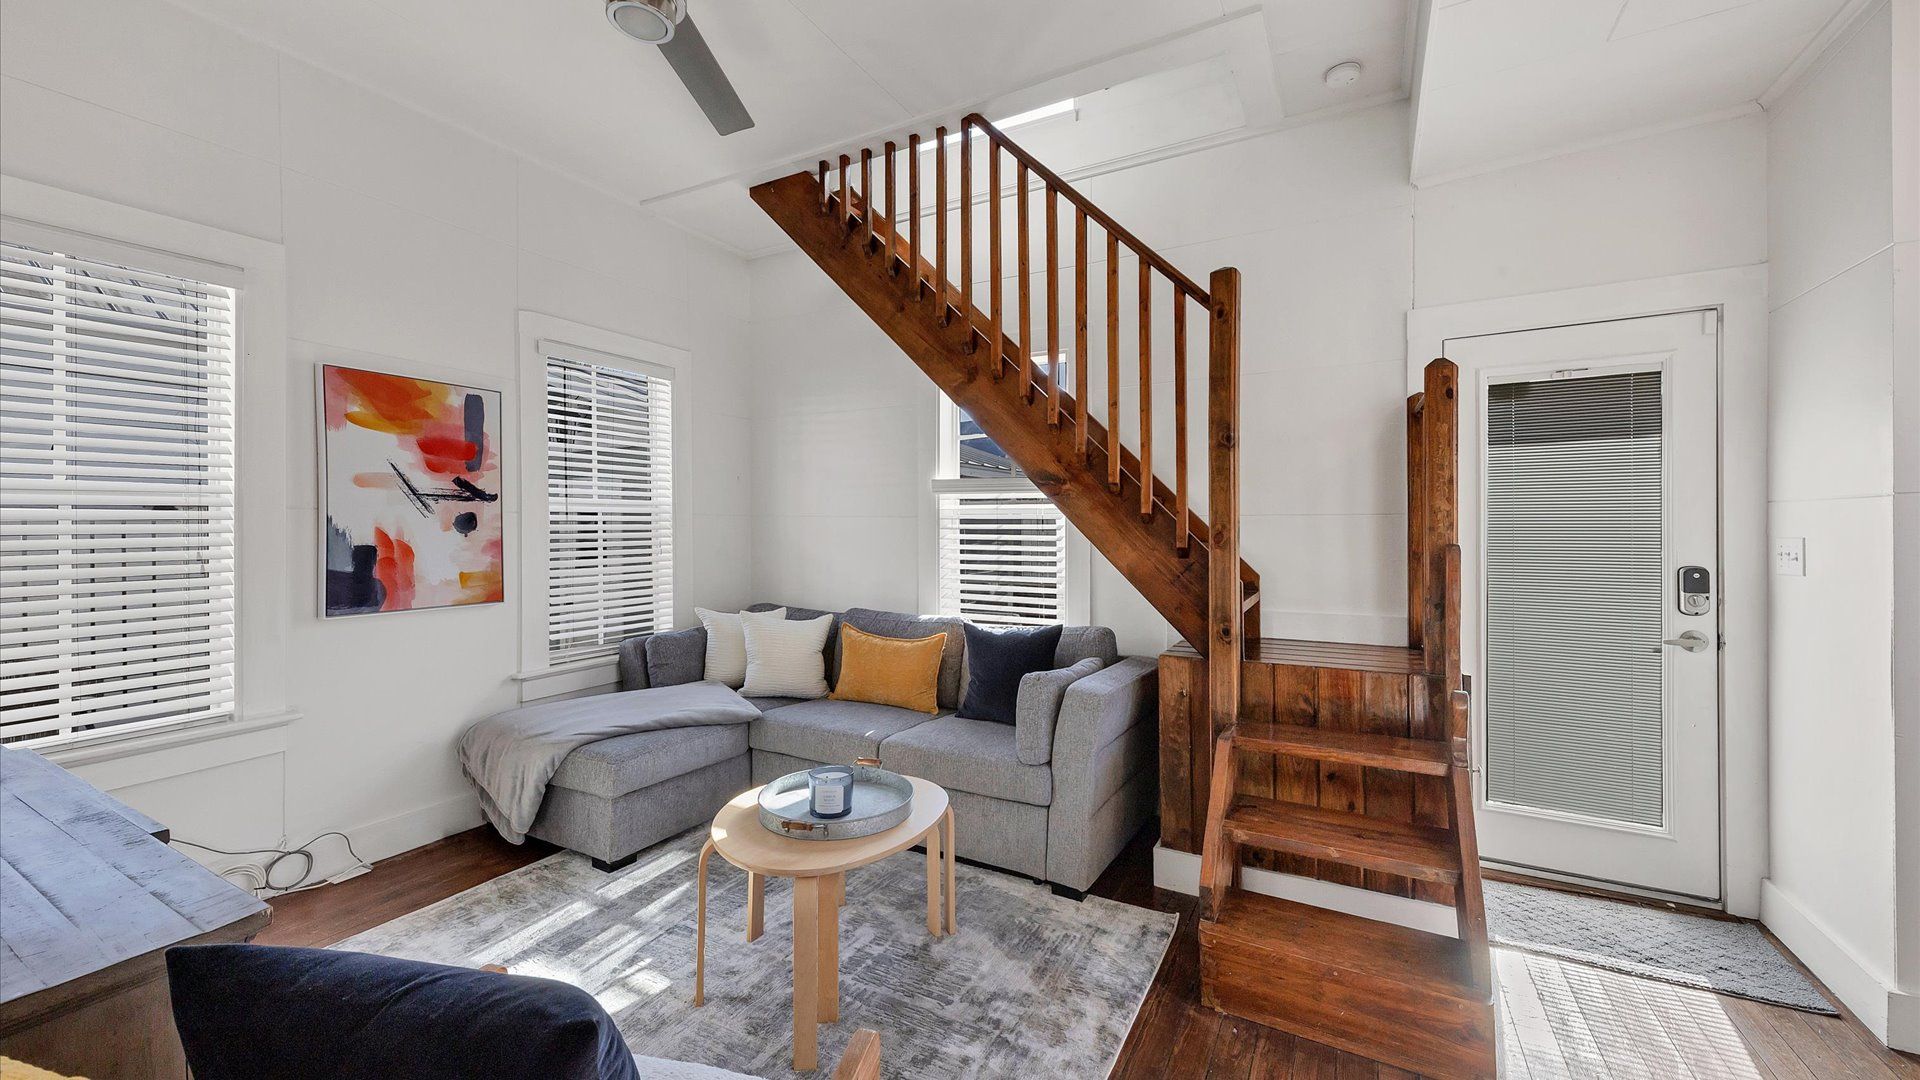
(785, 657)
(727, 645)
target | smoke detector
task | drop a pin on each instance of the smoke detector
(1342, 75)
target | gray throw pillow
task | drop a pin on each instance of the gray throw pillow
(679, 656)
(1038, 708)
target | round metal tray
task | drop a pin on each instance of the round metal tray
(880, 799)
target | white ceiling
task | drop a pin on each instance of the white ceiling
(551, 79)
(1499, 79)
(1506, 80)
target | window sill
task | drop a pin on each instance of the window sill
(573, 677)
(110, 747)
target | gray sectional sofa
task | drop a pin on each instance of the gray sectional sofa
(1054, 796)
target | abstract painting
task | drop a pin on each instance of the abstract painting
(411, 483)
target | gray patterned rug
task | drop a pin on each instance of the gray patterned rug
(1686, 950)
(1030, 985)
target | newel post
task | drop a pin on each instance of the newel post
(1225, 645)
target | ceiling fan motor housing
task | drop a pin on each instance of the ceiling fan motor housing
(651, 21)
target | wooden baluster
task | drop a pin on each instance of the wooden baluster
(893, 222)
(1053, 308)
(1146, 390)
(1026, 290)
(845, 161)
(1113, 363)
(824, 193)
(966, 228)
(940, 219)
(1184, 542)
(913, 208)
(866, 195)
(994, 315)
(1080, 330)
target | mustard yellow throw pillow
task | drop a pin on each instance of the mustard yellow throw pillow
(903, 672)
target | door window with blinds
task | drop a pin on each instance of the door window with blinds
(609, 503)
(1575, 677)
(1002, 545)
(116, 496)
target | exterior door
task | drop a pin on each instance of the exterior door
(1589, 489)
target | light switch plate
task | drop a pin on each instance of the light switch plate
(1790, 556)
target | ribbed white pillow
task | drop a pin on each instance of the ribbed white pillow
(727, 645)
(785, 657)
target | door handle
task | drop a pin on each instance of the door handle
(1692, 641)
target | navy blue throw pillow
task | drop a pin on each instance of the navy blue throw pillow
(260, 1012)
(996, 662)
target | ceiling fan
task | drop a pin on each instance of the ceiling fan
(665, 23)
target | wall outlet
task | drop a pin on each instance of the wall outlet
(1790, 556)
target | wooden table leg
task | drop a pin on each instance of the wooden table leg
(700, 933)
(936, 923)
(953, 858)
(832, 889)
(806, 973)
(756, 906)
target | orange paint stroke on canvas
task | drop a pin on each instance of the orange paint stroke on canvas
(393, 569)
(390, 403)
(482, 586)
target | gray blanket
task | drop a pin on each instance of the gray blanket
(511, 755)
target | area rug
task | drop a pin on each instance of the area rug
(1031, 984)
(1686, 950)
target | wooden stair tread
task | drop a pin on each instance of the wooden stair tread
(1386, 659)
(1267, 926)
(1427, 757)
(1393, 847)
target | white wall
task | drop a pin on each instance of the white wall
(1830, 892)
(408, 245)
(1335, 246)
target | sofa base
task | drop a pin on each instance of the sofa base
(611, 830)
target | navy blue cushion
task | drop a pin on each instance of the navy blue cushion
(259, 1012)
(996, 662)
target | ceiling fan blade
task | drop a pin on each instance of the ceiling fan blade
(694, 63)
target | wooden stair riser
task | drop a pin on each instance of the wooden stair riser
(1437, 1036)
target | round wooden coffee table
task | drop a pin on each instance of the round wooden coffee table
(819, 872)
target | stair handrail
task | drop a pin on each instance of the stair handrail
(1105, 220)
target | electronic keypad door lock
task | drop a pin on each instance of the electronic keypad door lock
(1696, 590)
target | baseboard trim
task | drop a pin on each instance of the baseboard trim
(401, 833)
(1850, 980)
(1179, 871)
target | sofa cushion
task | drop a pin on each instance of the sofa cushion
(834, 732)
(1077, 643)
(997, 661)
(1038, 708)
(726, 646)
(890, 671)
(979, 756)
(800, 614)
(677, 656)
(786, 657)
(896, 624)
(767, 704)
(612, 767)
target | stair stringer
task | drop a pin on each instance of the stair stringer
(956, 359)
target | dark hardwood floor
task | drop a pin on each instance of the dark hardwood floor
(1558, 1019)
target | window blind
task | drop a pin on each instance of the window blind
(1575, 676)
(609, 506)
(1003, 558)
(116, 497)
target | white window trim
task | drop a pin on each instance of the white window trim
(256, 270)
(541, 336)
(946, 478)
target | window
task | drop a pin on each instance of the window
(609, 503)
(116, 497)
(1004, 554)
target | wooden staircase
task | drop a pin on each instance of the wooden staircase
(1231, 724)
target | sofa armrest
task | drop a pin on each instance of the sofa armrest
(1103, 751)
(1036, 709)
(633, 663)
